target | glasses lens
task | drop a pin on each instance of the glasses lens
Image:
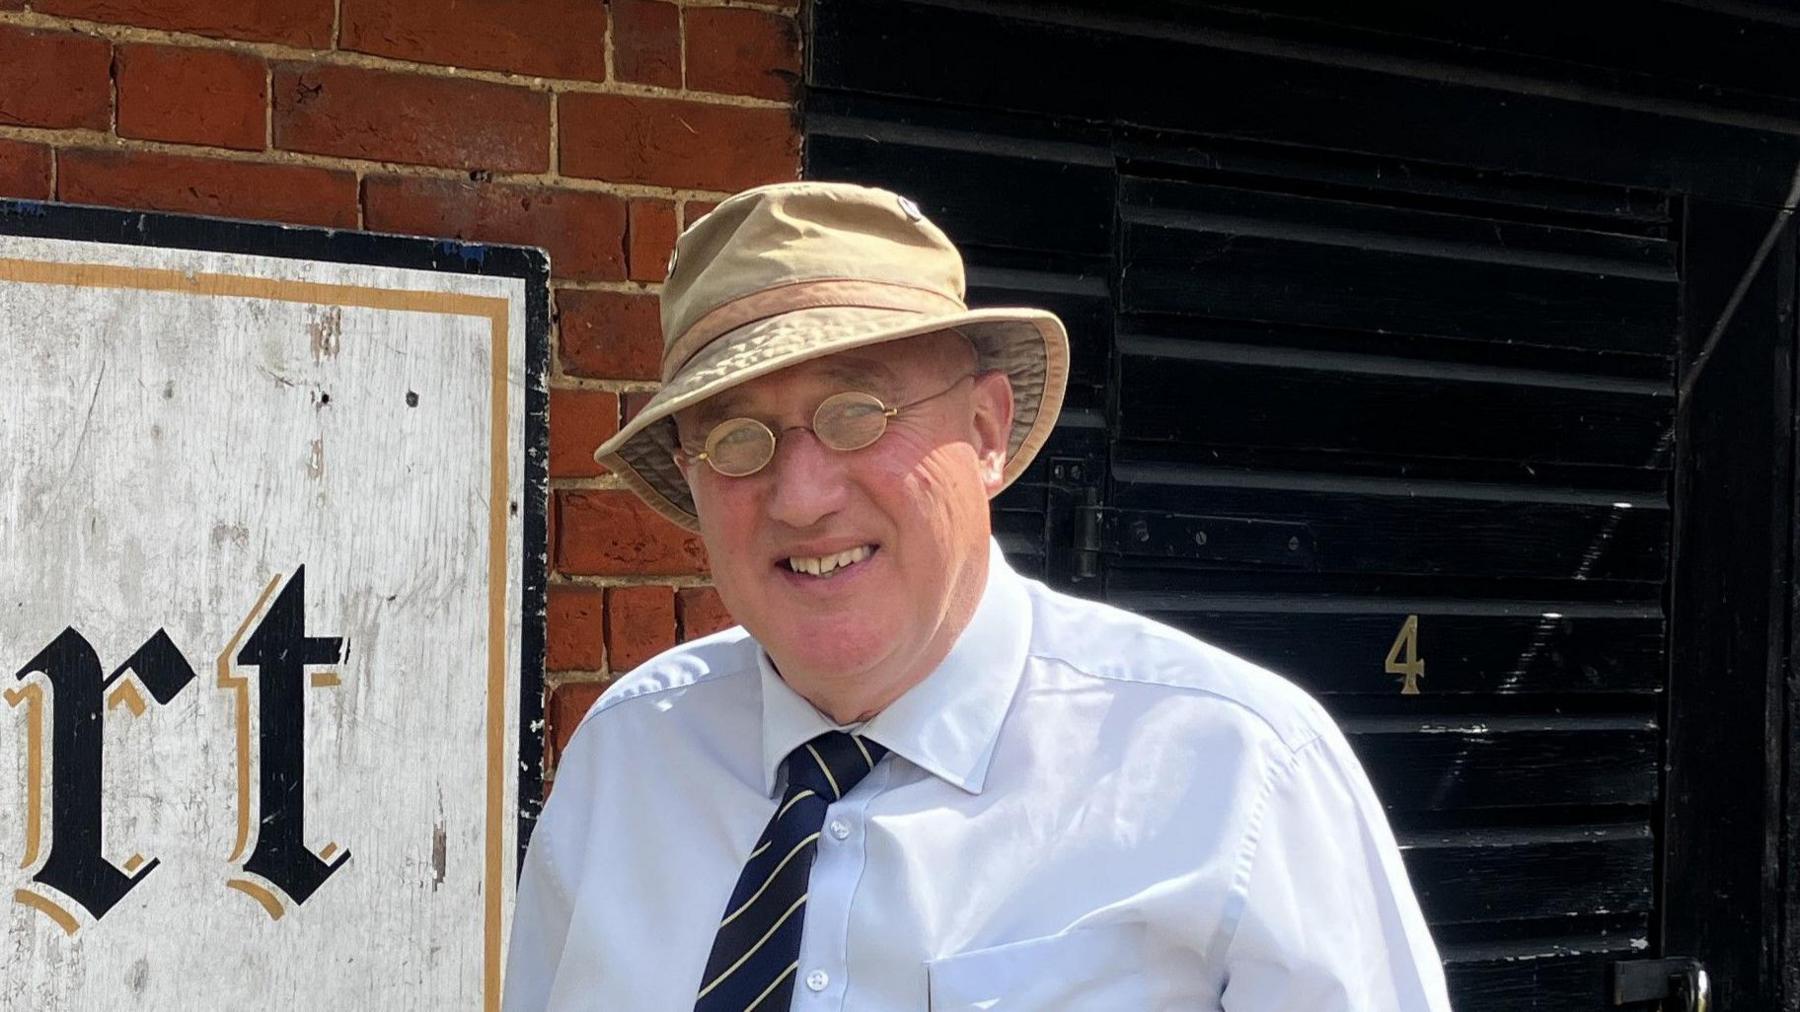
(739, 447)
(850, 421)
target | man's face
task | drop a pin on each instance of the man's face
(915, 501)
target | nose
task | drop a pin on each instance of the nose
(808, 480)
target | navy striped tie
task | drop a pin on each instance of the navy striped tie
(757, 950)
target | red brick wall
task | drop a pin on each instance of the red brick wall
(591, 129)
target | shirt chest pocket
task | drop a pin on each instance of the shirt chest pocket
(1097, 968)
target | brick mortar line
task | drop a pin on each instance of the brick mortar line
(681, 44)
(96, 140)
(112, 89)
(555, 137)
(283, 53)
(555, 339)
(611, 386)
(580, 676)
(606, 45)
(558, 579)
(560, 380)
(628, 286)
(591, 483)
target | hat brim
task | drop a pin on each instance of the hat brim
(1029, 345)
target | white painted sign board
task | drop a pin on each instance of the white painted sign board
(264, 644)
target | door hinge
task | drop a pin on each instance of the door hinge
(1681, 978)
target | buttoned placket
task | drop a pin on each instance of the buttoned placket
(836, 873)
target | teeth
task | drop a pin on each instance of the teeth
(824, 565)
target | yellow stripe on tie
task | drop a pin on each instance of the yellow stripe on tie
(835, 789)
(765, 886)
(793, 801)
(866, 756)
(793, 967)
(752, 950)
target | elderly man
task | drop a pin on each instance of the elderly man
(914, 779)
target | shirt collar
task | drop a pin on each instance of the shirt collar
(948, 723)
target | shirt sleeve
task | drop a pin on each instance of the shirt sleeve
(540, 925)
(1328, 922)
(544, 904)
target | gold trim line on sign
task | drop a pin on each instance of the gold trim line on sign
(240, 686)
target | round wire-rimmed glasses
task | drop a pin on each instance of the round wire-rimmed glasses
(740, 447)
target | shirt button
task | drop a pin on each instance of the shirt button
(840, 829)
(818, 979)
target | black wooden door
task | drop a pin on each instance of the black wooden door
(1375, 382)
(1422, 424)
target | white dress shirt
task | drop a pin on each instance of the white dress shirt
(1083, 809)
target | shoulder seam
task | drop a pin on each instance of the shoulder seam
(1249, 849)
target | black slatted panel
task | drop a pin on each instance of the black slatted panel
(1210, 68)
(1432, 373)
(1464, 400)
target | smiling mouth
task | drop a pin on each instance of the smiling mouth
(826, 566)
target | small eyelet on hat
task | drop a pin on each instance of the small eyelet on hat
(910, 209)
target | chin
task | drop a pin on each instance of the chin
(830, 651)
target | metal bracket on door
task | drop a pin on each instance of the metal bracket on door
(1681, 978)
(1156, 534)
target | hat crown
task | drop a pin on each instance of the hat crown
(790, 246)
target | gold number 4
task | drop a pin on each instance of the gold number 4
(1413, 666)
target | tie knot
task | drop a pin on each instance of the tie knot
(833, 763)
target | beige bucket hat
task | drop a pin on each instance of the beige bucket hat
(781, 274)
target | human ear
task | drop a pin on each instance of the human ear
(992, 399)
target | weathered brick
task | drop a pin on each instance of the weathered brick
(580, 420)
(609, 335)
(546, 38)
(650, 236)
(739, 51)
(54, 79)
(303, 23)
(575, 629)
(606, 532)
(569, 703)
(584, 231)
(694, 210)
(647, 42)
(24, 170)
(640, 623)
(700, 612)
(296, 194)
(672, 142)
(192, 96)
(357, 113)
(633, 402)
(12, 5)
